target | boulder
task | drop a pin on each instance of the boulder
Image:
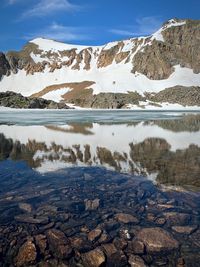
(27, 254)
(94, 258)
(184, 229)
(92, 204)
(136, 261)
(126, 218)
(59, 244)
(94, 234)
(157, 239)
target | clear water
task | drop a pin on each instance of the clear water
(75, 171)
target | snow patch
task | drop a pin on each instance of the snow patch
(171, 23)
(110, 45)
(56, 95)
(116, 78)
(54, 46)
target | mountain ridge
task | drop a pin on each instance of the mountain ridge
(166, 59)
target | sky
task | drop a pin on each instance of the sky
(87, 22)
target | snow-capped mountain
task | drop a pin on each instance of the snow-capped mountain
(139, 72)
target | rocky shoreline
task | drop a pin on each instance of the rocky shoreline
(14, 100)
(185, 96)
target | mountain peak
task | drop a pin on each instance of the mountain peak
(49, 44)
(174, 22)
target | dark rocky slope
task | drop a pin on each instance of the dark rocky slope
(13, 100)
(186, 96)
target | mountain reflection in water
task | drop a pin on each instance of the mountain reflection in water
(54, 215)
(165, 150)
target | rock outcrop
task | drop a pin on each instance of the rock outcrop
(13, 100)
(4, 65)
(178, 47)
(186, 96)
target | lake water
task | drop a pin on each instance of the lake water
(99, 188)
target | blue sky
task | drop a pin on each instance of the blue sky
(90, 22)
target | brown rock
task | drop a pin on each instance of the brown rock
(180, 262)
(92, 204)
(114, 256)
(184, 229)
(41, 242)
(126, 218)
(136, 261)
(175, 218)
(109, 249)
(120, 243)
(136, 247)
(177, 49)
(25, 207)
(104, 238)
(94, 258)
(107, 56)
(59, 243)
(27, 254)
(157, 239)
(81, 244)
(121, 56)
(94, 234)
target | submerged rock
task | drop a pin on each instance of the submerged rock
(157, 239)
(41, 242)
(59, 243)
(25, 207)
(27, 254)
(92, 204)
(175, 218)
(136, 261)
(184, 229)
(136, 247)
(94, 258)
(94, 234)
(30, 219)
(126, 218)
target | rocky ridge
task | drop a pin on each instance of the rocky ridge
(14, 100)
(141, 60)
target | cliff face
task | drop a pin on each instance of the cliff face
(178, 45)
(4, 65)
(168, 58)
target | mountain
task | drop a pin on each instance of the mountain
(157, 71)
(157, 150)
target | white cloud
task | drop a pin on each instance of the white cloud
(47, 7)
(60, 33)
(122, 32)
(148, 25)
(142, 26)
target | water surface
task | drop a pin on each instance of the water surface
(95, 180)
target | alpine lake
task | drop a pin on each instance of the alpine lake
(86, 188)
